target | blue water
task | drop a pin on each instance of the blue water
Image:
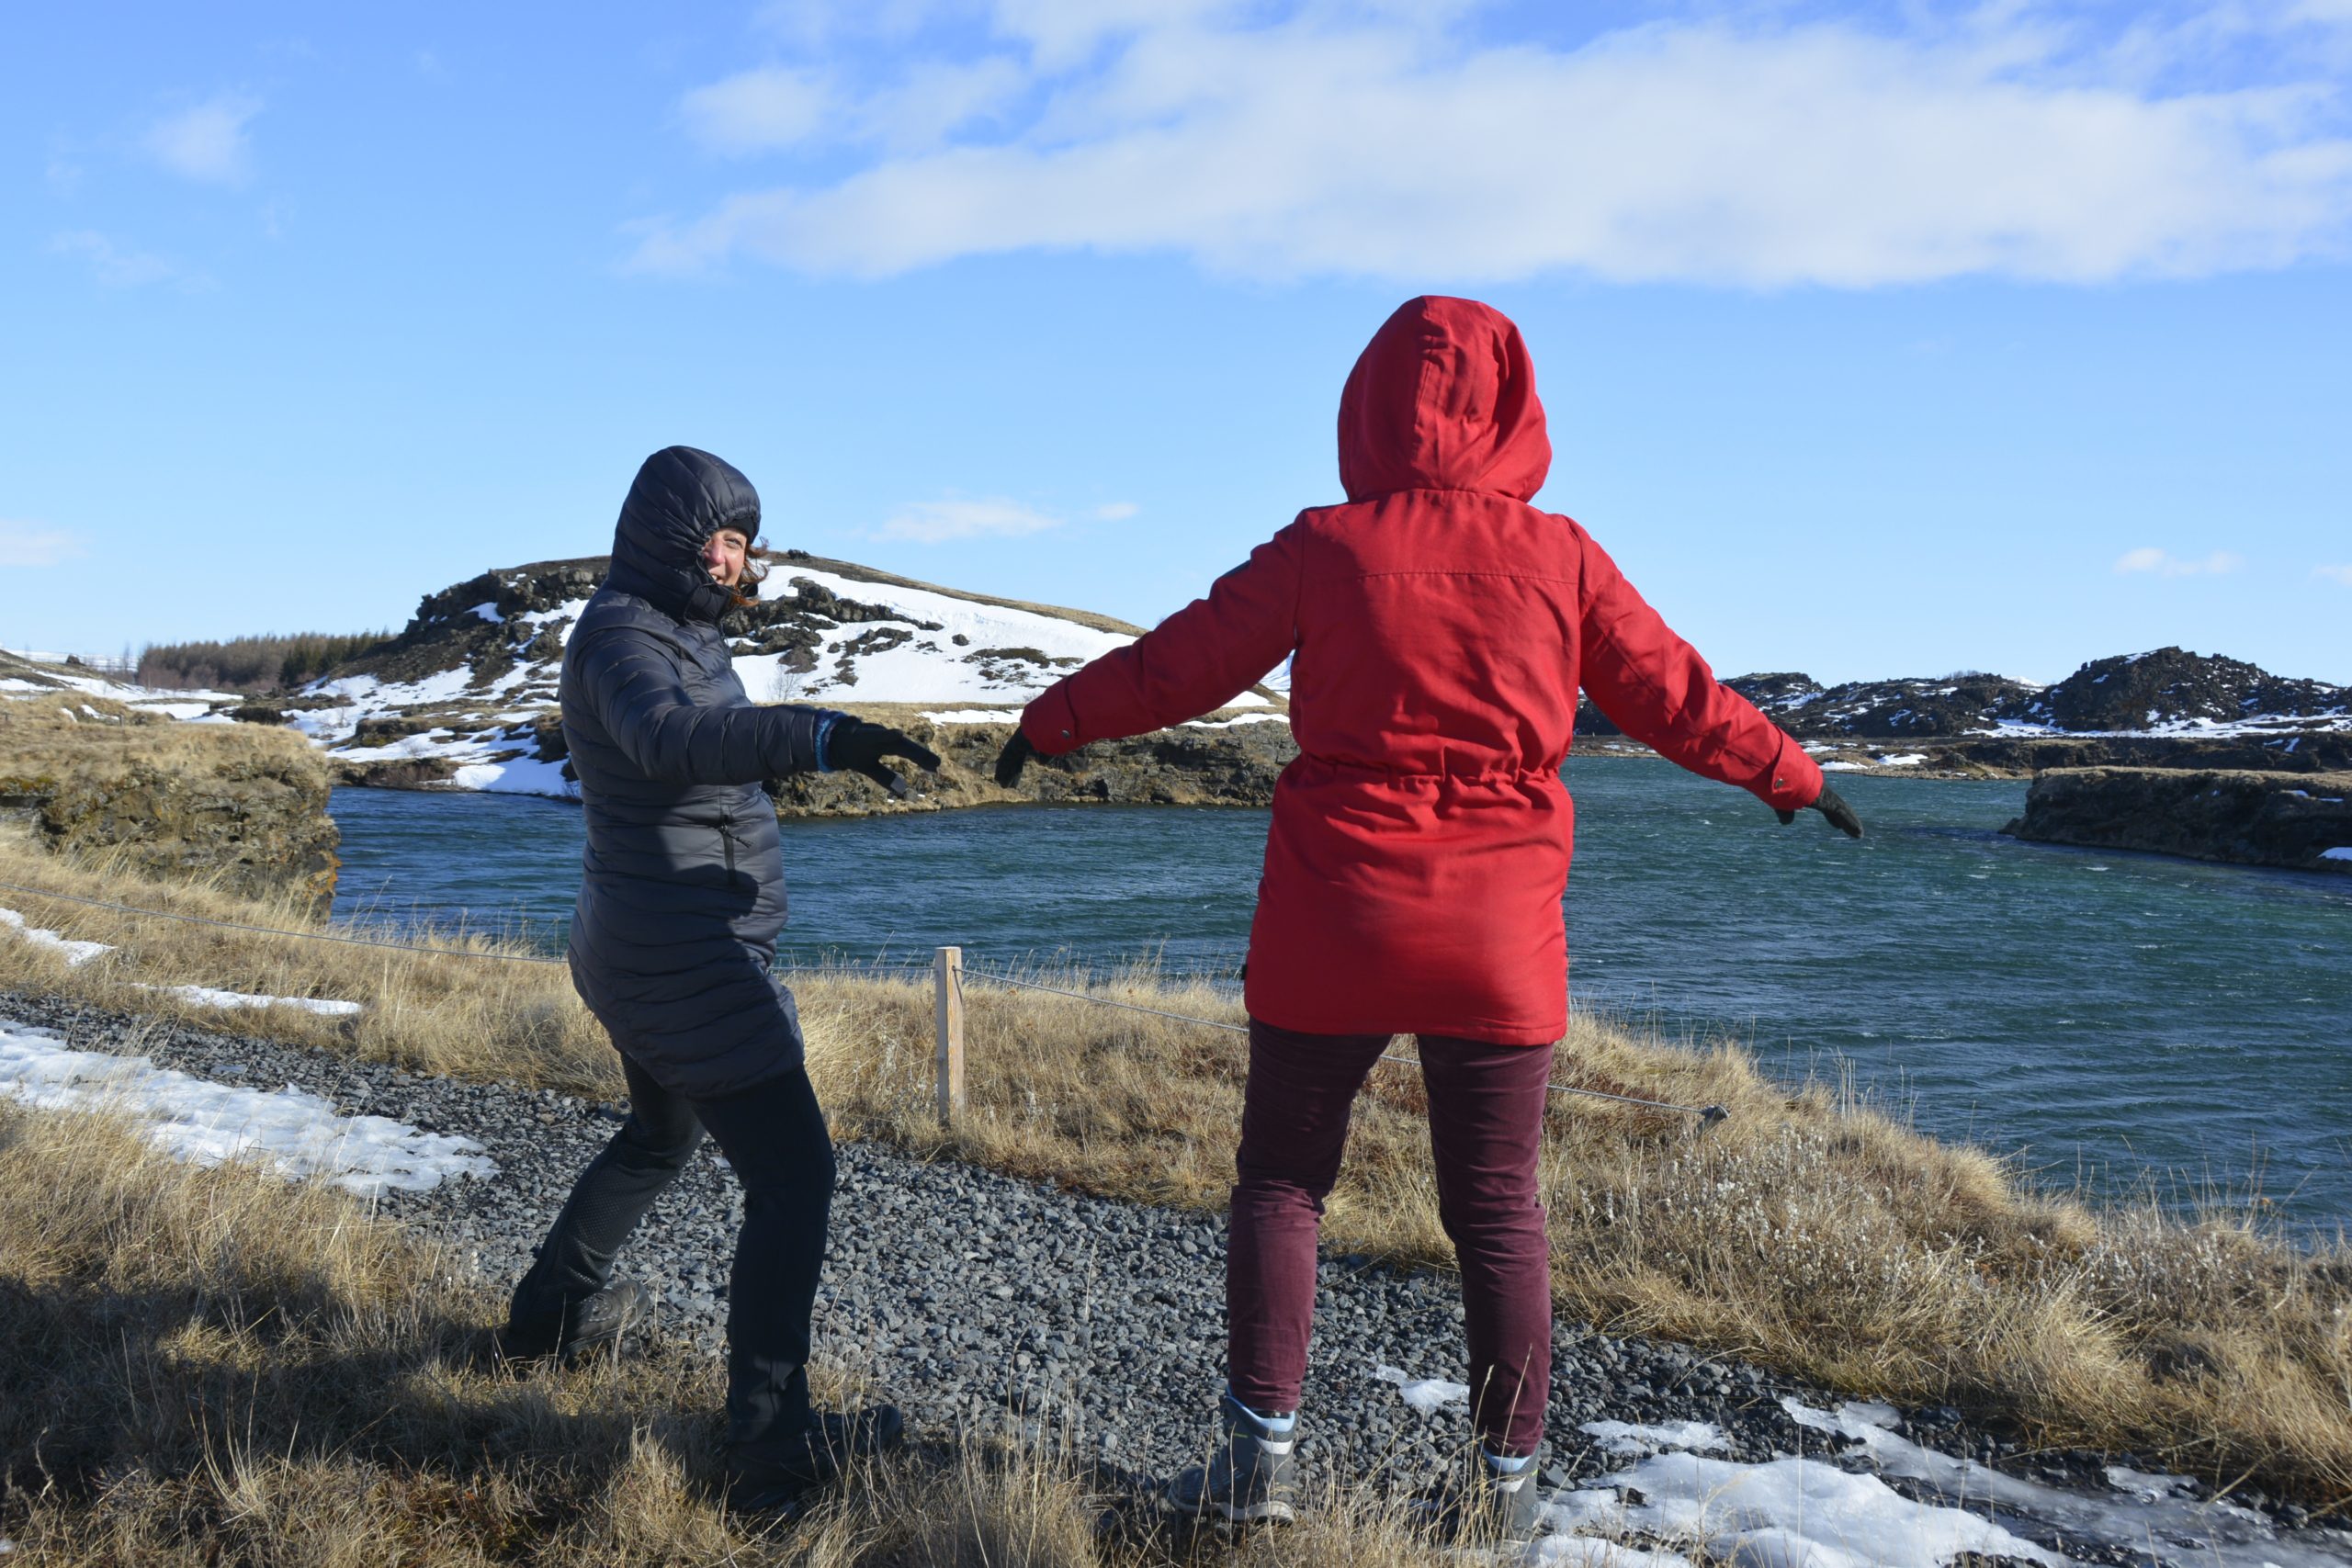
(2109, 1016)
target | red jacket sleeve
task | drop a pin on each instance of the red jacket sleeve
(1195, 661)
(1655, 688)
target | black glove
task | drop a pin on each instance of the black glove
(855, 746)
(1830, 804)
(1010, 761)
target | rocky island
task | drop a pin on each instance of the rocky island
(2303, 821)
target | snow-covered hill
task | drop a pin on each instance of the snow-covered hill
(466, 694)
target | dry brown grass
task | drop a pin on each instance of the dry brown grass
(53, 738)
(1806, 1231)
(216, 1366)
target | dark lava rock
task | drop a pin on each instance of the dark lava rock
(2142, 689)
(2255, 819)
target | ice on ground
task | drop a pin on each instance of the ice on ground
(207, 996)
(1632, 1437)
(1843, 767)
(2169, 1529)
(2147, 1488)
(76, 953)
(206, 1122)
(1428, 1395)
(1785, 1513)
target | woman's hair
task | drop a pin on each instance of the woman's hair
(755, 571)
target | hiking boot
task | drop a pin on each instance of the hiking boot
(776, 1478)
(1495, 1503)
(1251, 1478)
(583, 1327)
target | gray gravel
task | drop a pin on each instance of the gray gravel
(974, 1299)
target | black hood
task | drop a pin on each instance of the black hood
(679, 499)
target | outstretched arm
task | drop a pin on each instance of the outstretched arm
(634, 688)
(1655, 688)
(1195, 661)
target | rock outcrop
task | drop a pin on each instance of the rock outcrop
(2303, 821)
(241, 804)
(1234, 765)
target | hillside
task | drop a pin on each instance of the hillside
(464, 697)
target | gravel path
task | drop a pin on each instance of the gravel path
(970, 1297)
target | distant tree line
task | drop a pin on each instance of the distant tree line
(250, 664)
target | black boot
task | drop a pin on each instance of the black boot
(538, 1328)
(777, 1478)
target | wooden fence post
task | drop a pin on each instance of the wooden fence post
(947, 978)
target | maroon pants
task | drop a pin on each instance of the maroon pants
(1485, 1127)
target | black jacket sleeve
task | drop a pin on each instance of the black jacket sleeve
(633, 686)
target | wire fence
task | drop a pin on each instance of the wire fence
(952, 974)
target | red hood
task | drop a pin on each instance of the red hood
(1443, 398)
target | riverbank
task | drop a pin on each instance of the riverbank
(1053, 1376)
(1815, 1238)
(243, 807)
(2298, 822)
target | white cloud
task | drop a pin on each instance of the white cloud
(2162, 563)
(207, 142)
(111, 264)
(758, 111)
(779, 107)
(34, 544)
(1116, 511)
(2342, 574)
(1371, 139)
(939, 521)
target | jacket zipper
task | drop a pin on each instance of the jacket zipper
(727, 842)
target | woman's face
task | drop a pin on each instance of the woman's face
(723, 555)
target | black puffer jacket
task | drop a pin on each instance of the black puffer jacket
(683, 894)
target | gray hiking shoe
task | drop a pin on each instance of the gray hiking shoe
(569, 1331)
(1251, 1478)
(1490, 1504)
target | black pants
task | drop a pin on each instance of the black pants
(775, 1137)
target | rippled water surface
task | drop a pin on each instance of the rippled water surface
(2108, 1014)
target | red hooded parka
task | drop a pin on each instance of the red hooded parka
(1439, 629)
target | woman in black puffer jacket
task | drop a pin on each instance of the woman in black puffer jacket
(672, 943)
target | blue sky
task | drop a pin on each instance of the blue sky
(1874, 341)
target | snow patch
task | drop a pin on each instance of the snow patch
(2342, 851)
(1631, 1437)
(2170, 1529)
(1905, 760)
(523, 776)
(487, 610)
(1787, 1513)
(76, 953)
(205, 996)
(975, 716)
(1428, 1395)
(195, 1119)
(1239, 718)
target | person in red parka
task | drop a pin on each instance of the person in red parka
(1439, 627)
